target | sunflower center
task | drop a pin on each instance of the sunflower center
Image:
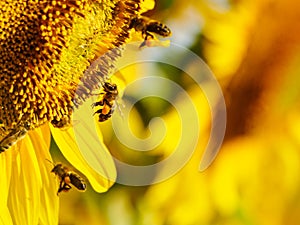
(45, 47)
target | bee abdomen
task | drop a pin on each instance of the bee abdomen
(77, 181)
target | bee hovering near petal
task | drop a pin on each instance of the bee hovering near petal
(148, 27)
(14, 136)
(108, 101)
(67, 178)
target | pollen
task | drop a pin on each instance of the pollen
(45, 49)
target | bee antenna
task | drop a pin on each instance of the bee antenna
(50, 162)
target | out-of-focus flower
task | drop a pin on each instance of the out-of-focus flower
(254, 179)
(227, 37)
(45, 48)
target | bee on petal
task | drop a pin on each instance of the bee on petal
(14, 136)
(64, 123)
(148, 27)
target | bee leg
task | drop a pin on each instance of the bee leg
(97, 94)
(104, 117)
(66, 187)
(63, 186)
(99, 103)
(99, 111)
(144, 43)
(148, 36)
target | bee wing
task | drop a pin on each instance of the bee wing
(84, 148)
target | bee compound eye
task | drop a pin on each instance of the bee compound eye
(27, 125)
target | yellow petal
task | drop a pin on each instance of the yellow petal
(5, 218)
(85, 150)
(24, 199)
(49, 201)
(147, 5)
(5, 166)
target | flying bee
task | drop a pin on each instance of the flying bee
(109, 96)
(148, 26)
(67, 177)
(14, 136)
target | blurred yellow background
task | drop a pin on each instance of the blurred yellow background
(252, 47)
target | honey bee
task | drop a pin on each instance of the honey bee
(64, 123)
(67, 177)
(148, 26)
(109, 96)
(14, 136)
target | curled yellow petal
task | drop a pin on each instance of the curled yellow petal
(83, 148)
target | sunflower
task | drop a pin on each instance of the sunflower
(45, 50)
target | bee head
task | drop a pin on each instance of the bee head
(109, 87)
(57, 168)
(27, 125)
